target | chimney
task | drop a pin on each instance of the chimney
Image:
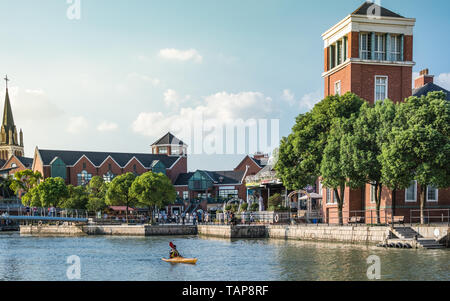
(423, 79)
(262, 157)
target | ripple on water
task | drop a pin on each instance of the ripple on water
(134, 258)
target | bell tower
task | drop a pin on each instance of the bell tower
(10, 143)
(370, 53)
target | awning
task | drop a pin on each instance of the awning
(312, 195)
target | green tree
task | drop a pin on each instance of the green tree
(118, 193)
(97, 189)
(50, 193)
(418, 147)
(23, 182)
(300, 154)
(362, 147)
(153, 190)
(78, 198)
(333, 164)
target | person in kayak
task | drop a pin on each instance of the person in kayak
(174, 252)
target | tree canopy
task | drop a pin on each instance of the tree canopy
(118, 193)
(418, 147)
(301, 153)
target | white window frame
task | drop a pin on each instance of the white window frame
(415, 194)
(185, 195)
(363, 51)
(320, 188)
(380, 44)
(396, 48)
(330, 200)
(375, 87)
(163, 150)
(340, 88)
(437, 196)
(372, 194)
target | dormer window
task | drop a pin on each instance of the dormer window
(163, 150)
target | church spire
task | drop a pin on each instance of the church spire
(8, 119)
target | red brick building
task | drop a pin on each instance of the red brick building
(373, 58)
(370, 56)
(78, 167)
(212, 188)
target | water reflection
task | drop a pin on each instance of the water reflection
(139, 258)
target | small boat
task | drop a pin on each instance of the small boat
(181, 260)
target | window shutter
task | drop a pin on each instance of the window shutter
(388, 47)
(345, 48)
(402, 41)
(372, 50)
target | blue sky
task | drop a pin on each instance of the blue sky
(117, 78)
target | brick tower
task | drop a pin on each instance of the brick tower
(10, 143)
(370, 53)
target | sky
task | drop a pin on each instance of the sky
(126, 72)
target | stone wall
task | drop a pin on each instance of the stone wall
(349, 234)
(48, 230)
(117, 230)
(228, 231)
(170, 230)
(121, 230)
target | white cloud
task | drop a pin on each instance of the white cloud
(217, 108)
(77, 125)
(106, 126)
(144, 78)
(35, 92)
(443, 80)
(288, 96)
(173, 100)
(33, 105)
(180, 55)
(308, 101)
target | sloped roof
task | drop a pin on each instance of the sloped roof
(97, 158)
(430, 87)
(169, 139)
(228, 177)
(364, 10)
(183, 179)
(27, 162)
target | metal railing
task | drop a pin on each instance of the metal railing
(431, 216)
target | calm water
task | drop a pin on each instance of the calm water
(131, 258)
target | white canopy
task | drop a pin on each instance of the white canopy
(313, 196)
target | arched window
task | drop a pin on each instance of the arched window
(84, 178)
(13, 165)
(108, 177)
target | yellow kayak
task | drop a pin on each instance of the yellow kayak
(181, 260)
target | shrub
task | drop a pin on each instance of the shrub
(254, 207)
(275, 201)
(244, 206)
